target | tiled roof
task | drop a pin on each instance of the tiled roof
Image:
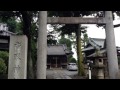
(100, 53)
(6, 33)
(98, 41)
(95, 43)
(58, 50)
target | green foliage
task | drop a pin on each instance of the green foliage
(73, 60)
(11, 24)
(19, 26)
(3, 67)
(5, 56)
(84, 38)
(51, 39)
(69, 58)
(66, 41)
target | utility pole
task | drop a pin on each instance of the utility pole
(111, 47)
(42, 45)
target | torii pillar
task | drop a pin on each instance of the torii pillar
(42, 45)
(111, 47)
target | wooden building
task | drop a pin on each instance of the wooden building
(4, 43)
(4, 37)
(57, 56)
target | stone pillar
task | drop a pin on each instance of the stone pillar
(17, 68)
(42, 46)
(111, 47)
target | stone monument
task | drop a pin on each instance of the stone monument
(17, 68)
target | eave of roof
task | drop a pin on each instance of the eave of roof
(58, 50)
(96, 55)
(88, 48)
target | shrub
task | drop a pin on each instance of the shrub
(73, 60)
(4, 55)
(3, 67)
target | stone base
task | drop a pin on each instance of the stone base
(100, 77)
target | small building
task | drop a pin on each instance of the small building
(4, 37)
(57, 56)
(95, 51)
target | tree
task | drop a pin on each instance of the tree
(68, 43)
(84, 38)
(51, 38)
(73, 60)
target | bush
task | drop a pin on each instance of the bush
(73, 60)
(3, 67)
(4, 55)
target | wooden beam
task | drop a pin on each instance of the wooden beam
(75, 20)
(117, 25)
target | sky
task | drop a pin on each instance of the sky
(94, 32)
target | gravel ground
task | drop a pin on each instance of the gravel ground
(77, 77)
(60, 74)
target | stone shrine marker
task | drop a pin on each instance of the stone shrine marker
(17, 68)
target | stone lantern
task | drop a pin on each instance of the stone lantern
(99, 67)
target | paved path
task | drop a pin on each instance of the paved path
(60, 74)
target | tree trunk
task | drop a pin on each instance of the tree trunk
(111, 47)
(30, 74)
(42, 46)
(79, 52)
(27, 31)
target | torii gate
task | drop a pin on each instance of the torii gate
(110, 40)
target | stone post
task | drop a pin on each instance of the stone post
(111, 47)
(42, 46)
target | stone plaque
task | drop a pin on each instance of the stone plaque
(18, 57)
